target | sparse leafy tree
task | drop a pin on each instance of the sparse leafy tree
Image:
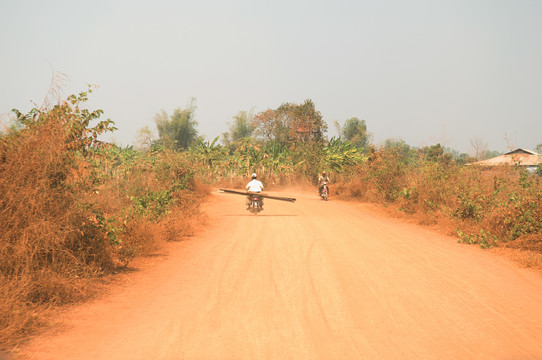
(144, 138)
(479, 147)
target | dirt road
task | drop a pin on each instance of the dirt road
(310, 280)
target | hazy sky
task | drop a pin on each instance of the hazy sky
(426, 71)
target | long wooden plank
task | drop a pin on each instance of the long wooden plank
(246, 193)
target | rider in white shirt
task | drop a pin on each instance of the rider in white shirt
(254, 186)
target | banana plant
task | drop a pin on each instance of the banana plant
(209, 150)
(278, 158)
(339, 154)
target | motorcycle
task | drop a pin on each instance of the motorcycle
(256, 203)
(324, 191)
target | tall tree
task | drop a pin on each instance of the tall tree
(399, 147)
(355, 131)
(479, 147)
(273, 124)
(291, 124)
(436, 153)
(242, 127)
(178, 131)
(307, 124)
(144, 139)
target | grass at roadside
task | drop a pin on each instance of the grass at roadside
(490, 208)
(73, 210)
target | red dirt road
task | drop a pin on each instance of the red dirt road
(310, 280)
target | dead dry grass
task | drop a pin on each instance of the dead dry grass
(68, 220)
(523, 258)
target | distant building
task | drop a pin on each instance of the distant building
(519, 157)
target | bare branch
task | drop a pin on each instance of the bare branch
(59, 81)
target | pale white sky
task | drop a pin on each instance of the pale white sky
(426, 71)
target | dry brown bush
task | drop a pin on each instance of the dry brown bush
(500, 207)
(68, 214)
(45, 248)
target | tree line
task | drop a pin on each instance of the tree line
(298, 127)
(289, 124)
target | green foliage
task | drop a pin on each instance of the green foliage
(435, 153)
(108, 226)
(354, 131)
(387, 167)
(491, 154)
(500, 206)
(403, 152)
(274, 158)
(178, 131)
(153, 204)
(525, 179)
(291, 124)
(279, 159)
(308, 124)
(209, 151)
(75, 119)
(463, 159)
(143, 187)
(339, 154)
(470, 205)
(242, 127)
(291, 140)
(484, 239)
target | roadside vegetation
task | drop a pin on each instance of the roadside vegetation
(487, 207)
(74, 209)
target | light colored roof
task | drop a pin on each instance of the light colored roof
(520, 157)
(521, 151)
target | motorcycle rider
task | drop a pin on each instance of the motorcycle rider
(321, 179)
(254, 186)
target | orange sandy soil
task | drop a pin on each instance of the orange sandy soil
(310, 280)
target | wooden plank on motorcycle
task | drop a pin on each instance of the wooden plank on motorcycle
(246, 193)
(279, 198)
